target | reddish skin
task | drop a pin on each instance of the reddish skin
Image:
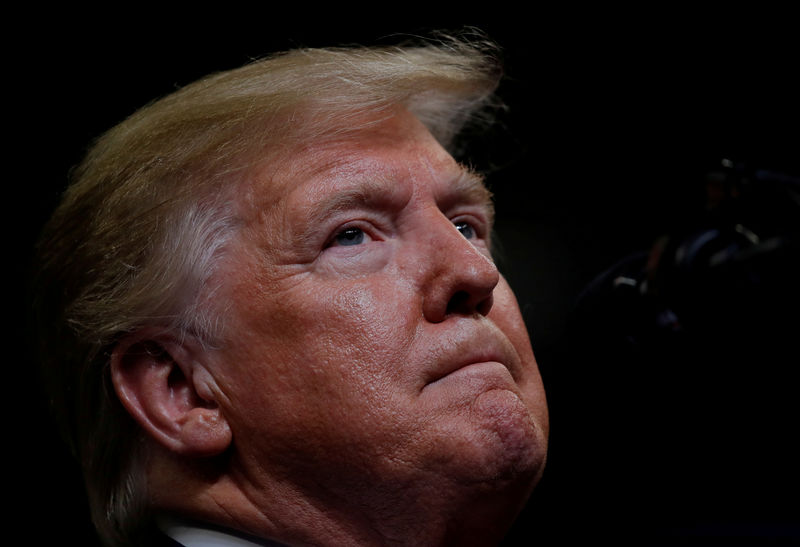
(377, 393)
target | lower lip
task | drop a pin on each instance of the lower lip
(484, 373)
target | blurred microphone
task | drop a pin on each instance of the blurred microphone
(734, 272)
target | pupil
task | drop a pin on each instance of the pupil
(351, 236)
(466, 230)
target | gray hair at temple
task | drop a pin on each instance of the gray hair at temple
(148, 214)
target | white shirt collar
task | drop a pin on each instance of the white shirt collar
(192, 534)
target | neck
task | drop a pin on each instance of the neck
(297, 512)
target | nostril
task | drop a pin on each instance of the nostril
(458, 302)
(463, 303)
(485, 305)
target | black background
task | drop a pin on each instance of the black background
(614, 118)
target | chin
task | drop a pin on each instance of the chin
(496, 445)
(502, 462)
(513, 441)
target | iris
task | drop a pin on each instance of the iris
(350, 236)
(466, 229)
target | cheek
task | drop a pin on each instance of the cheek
(365, 327)
(329, 367)
(506, 315)
(326, 341)
(348, 263)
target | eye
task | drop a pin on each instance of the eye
(466, 229)
(349, 237)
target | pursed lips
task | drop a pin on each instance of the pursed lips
(470, 344)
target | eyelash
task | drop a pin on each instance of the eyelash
(478, 224)
(350, 227)
(467, 225)
(357, 233)
(479, 231)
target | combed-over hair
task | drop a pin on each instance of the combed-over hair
(148, 213)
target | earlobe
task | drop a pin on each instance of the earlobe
(165, 389)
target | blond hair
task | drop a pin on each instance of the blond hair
(148, 214)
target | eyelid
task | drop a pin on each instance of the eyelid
(479, 222)
(369, 229)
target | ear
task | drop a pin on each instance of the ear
(170, 393)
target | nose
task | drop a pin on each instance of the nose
(460, 277)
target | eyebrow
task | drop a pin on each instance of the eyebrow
(466, 187)
(367, 194)
(470, 187)
(370, 194)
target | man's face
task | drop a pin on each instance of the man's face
(371, 340)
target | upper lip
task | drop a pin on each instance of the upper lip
(468, 344)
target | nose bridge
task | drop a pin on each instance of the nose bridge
(459, 277)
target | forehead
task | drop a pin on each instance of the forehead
(374, 159)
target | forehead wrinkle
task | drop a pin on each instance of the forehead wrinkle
(376, 189)
(352, 179)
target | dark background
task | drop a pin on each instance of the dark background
(614, 120)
